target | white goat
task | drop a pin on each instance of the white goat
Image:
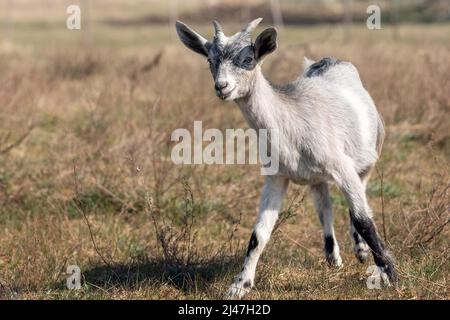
(329, 130)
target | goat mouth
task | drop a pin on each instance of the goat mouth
(224, 95)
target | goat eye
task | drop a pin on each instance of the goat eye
(248, 60)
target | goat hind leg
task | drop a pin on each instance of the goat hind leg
(322, 203)
(361, 248)
(353, 188)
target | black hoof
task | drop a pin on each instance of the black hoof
(388, 266)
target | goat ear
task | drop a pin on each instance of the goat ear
(265, 43)
(191, 39)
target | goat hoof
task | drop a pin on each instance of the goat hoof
(362, 252)
(239, 288)
(389, 268)
(334, 260)
(386, 270)
(387, 275)
(362, 255)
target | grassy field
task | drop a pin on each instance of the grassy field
(86, 177)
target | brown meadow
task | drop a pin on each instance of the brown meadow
(86, 177)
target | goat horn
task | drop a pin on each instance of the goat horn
(217, 27)
(252, 25)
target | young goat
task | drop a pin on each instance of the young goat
(329, 130)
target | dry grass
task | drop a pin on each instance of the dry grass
(86, 176)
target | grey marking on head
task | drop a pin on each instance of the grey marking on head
(241, 54)
(237, 48)
(320, 67)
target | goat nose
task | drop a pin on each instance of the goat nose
(219, 85)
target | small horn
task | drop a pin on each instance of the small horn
(217, 27)
(252, 25)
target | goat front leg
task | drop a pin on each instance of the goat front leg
(271, 199)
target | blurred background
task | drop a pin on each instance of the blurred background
(86, 177)
(48, 17)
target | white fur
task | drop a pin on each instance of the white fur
(360, 110)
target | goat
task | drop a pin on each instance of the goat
(329, 131)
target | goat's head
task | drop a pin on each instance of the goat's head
(232, 60)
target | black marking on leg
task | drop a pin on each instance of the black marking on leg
(329, 244)
(247, 284)
(360, 253)
(320, 67)
(356, 237)
(366, 229)
(329, 248)
(252, 244)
